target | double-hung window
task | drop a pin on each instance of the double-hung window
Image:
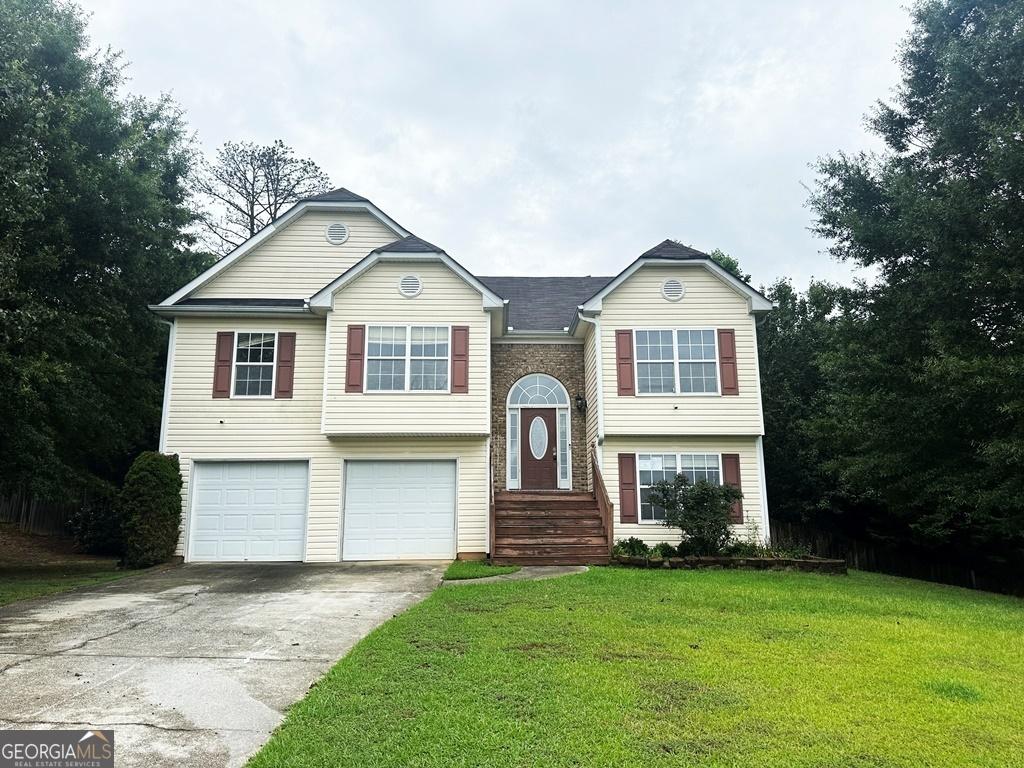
(676, 361)
(652, 468)
(407, 358)
(254, 364)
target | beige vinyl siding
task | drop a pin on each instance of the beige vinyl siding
(709, 303)
(591, 393)
(298, 261)
(754, 523)
(373, 299)
(200, 428)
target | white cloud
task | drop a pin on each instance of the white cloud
(540, 137)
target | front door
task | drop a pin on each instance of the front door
(538, 449)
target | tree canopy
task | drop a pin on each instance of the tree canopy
(93, 215)
(898, 404)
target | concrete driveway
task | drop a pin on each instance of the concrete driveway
(192, 666)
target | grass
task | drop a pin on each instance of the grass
(32, 566)
(476, 569)
(622, 667)
(25, 582)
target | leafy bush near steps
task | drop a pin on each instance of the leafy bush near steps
(150, 503)
(663, 549)
(700, 510)
(98, 525)
(631, 547)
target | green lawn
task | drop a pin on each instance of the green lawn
(18, 583)
(476, 569)
(620, 667)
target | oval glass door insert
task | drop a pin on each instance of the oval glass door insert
(538, 437)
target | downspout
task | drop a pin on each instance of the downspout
(165, 411)
(598, 375)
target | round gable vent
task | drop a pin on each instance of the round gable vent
(337, 233)
(410, 286)
(673, 289)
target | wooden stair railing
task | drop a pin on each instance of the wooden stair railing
(604, 503)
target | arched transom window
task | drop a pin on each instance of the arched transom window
(538, 390)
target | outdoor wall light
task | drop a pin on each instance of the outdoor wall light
(581, 403)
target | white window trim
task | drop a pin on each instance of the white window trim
(679, 467)
(408, 360)
(675, 364)
(235, 364)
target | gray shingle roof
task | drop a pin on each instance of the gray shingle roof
(242, 302)
(543, 303)
(339, 195)
(670, 249)
(410, 244)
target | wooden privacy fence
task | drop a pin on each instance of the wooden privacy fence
(897, 561)
(45, 518)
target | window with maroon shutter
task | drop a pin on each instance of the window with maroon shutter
(627, 488)
(460, 359)
(727, 361)
(624, 362)
(731, 476)
(355, 358)
(223, 357)
(285, 378)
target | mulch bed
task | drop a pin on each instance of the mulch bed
(812, 564)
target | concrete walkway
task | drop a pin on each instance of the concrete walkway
(192, 666)
(526, 573)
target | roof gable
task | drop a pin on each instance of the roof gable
(543, 303)
(339, 200)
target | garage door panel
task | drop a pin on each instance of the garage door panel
(399, 510)
(249, 511)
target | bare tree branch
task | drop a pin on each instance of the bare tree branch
(247, 186)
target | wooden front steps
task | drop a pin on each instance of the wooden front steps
(548, 528)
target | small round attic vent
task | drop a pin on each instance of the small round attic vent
(673, 289)
(337, 233)
(410, 286)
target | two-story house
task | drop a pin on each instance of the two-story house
(339, 389)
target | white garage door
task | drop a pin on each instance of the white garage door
(398, 510)
(248, 510)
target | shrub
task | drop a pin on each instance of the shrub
(664, 549)
(753, 549)
(150, 503)
(700, 510)
(631, 547)
(97, 524)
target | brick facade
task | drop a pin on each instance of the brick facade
(509, 363)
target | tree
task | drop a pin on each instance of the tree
(249, 186)
(93, 215)
(925, 414)
(729, 264)
(700, 510)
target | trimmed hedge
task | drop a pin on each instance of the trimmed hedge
(150, 505)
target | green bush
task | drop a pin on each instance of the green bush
(150, 503)
(664, 549)
(631, 547)
(753, 549)
(98, 525)
(700, 510)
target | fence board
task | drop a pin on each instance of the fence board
(31, 515)
(897, 561)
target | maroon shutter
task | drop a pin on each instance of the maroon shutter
(731, 476)
(624, 362)
(727, 361)
(627, 488)
(222, 363)
(285, 365)
(355, 358)
(460, 359)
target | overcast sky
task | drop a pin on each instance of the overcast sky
(540, 137)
